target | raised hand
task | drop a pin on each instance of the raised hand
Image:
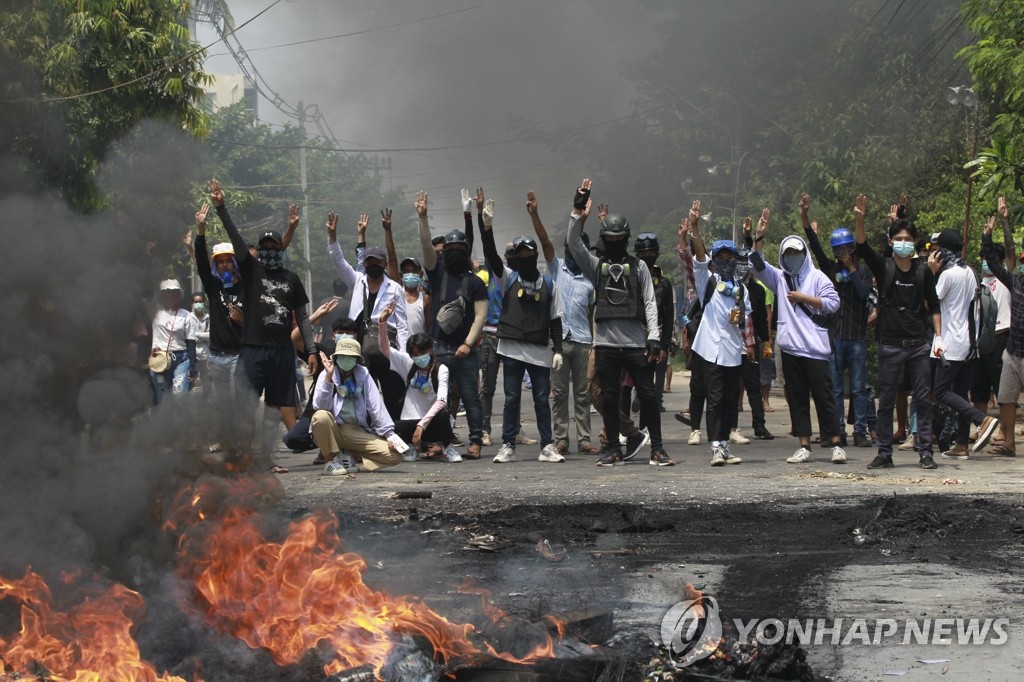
(894, 213)
(531, 203)
(990, 225)
(585, 213)
(216, 193)
(385, 314)
(385, 219)
(684, 230)
(293, 216)
(805, 205)
(332, 225)
(814, 227)
(602, 211)
(364, 220)
(694, 216)
(1004, 209)
(762, 224)
(467, 201)
(201, 218)
(421, 204)
(860, 209)
(579, 201)
(479, 199)
(318, 314)
(488, 213)
(328, 367)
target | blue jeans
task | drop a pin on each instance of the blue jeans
(514, 370)
(224, 374)
(852, 356)
(172, 380)
(465, 372)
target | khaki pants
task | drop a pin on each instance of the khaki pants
(332, 437)
(573, 375)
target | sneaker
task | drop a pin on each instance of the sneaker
(334, 468)
(486, 438)
(958, 451)
(549, 454)
(908, 444)
(523, 439)
(731, 458)
(506, 453)
(800, 456)
(985, 431)
(684, 418)
(881, 462)
(410, 456)
(694, 437)
(609, 456)
(451, 455)
(461, 412)
(660, 458)
(763, 434)
(738, 438)
(350, 465)
(717, 456)
(635, 442)
(861, 440)
(838, 455)
(928, 463)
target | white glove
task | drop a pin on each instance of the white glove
(467, 201)
(556, 361)
(489, 213)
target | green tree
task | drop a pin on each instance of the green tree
(78, 74)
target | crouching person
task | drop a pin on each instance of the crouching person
(425, 422)
(346, 402)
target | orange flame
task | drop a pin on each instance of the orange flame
(89, 641)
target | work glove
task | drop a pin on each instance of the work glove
(488, 213)
(653, 350)
(579, 202)
(556, 362)
(467, 201)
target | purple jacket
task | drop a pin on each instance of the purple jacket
(369, 405)
(797, 333)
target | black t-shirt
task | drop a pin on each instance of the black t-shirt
(904, 310)
(476, 290)
(270, 299)
(225, 335)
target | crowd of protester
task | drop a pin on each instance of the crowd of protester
(597, 326)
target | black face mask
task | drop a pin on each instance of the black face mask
(512, 263)
(615, 250)
(456, 262)
(650, 260)
(528, 267)
(374, 271)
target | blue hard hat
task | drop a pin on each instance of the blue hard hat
(841, 237)
(723, 245)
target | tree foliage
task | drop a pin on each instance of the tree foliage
(78, 74)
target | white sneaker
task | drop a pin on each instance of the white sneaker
(549, 454)
(334, 468)
(729, 457)
(717, 456)
(800, 456)
(410, 455)
(506, 453)
(350, 464)
(451, 455)
(523, 439)
(838, 455)
(738, 438)
(694, 437)
(486, 438)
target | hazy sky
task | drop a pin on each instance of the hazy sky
(451, 80)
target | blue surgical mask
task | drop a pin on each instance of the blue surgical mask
(411, 280)
(793, 262)
(347, 363)
(199, 308)
(903, 249)
(421, 361)
(984, 268)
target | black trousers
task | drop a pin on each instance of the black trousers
(698, 390)
(722, 386)
(439, 430)
(609, 364)
(808, 378)
(950, 387)
(751, 375)
(392, 386)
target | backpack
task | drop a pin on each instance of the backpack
(985, 308)
(696, 310)
(885, 287)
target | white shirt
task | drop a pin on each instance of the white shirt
(955, 290)
(414, 316)
(202, 335)
(718, 340)
(177, 326)
(1002, 296)
(418, 402)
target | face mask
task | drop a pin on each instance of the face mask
(374, 271)
(339, 337)
(570, 262)
(198, 308)
(984, 268)
(421, 361)
(615, 250)
(951, 257)
(456, 262)
(742, 272)
(227, 279)
(903, 249)
(410, 280)
(791, 263)
(512, 263)
(528, 267)
(650, 260)
(347, 363)
(725, 269)
(271, 259)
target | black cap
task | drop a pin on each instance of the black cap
(410, 259)
(437, 240)
(951, 239)
(271, 234)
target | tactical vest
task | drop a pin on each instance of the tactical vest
(525, 312)
(617, 287)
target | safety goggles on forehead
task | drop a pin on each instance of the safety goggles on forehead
(646, 235)
(523, 241)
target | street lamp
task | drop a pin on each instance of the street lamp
(964, 96)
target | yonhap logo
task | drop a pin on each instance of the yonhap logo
(692, 630)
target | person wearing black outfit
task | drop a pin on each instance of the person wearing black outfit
(750, 367)
(906, 301)
(273, 296)
(848, 328)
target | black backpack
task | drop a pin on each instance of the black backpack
(695, 313)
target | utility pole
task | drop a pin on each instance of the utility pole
(305, 206)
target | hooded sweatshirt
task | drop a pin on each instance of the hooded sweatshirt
(797, 333)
